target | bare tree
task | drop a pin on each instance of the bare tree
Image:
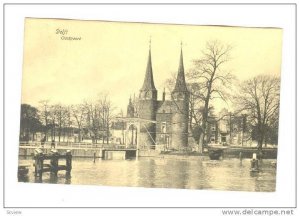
(79, 113)
(195, 109)
(67, 123)
(53, 121)
(259, 96)
(45, 115)
(59, 116)
(92, 119)
(106, 114)
(213, 80)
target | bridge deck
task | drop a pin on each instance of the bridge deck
(116, 149)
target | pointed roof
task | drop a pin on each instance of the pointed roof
(148, 81)
(180, 81)
(130, 101)
(130, 108)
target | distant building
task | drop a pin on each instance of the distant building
(228, 129)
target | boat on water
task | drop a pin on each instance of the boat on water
(215, 154)
(216, 151)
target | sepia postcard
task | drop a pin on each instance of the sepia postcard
(150, 105)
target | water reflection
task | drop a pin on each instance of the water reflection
(200, 173)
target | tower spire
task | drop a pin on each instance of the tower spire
(180, 81)
(148, 81)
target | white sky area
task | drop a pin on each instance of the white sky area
(111, 57)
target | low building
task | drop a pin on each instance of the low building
(228, 129)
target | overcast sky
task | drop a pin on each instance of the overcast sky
(112, 57)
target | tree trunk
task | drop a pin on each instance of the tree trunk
(54, 133)
(201, 142)
(46, 134)
(79, 135)
(59, 134)
(107, 134)
(260, 144)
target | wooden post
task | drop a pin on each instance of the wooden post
(254, 164)
(54, 161)
(39, 162)
(68, 162)
(40, 166)
(241, 156)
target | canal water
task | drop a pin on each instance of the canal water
(187, 173)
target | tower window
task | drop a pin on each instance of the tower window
(180, 96)
(147, 95)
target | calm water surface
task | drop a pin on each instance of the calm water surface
(226, 174)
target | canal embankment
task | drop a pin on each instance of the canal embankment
(85, 153)
(230, 152)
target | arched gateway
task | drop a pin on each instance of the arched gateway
(132, 133)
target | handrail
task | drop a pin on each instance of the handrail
(78, 145)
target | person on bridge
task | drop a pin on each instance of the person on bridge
(43, 141)
(53, 144)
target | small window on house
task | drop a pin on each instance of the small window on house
(223, 138)
(163, 127)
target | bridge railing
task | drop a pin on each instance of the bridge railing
(77, 145)
(81, 145)
(32, 144)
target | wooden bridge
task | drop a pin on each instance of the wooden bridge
(61, 145)
(105, 151)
